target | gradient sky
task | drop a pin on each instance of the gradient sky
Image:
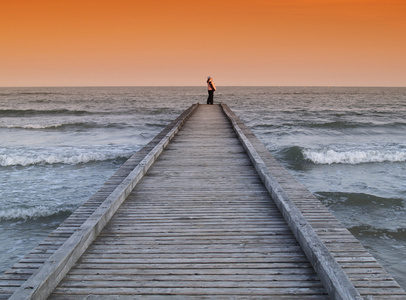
(180, 42)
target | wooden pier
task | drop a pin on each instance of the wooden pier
(202, 212)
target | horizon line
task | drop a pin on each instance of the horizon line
(101, 86)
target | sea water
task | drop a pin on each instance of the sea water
(346, 144)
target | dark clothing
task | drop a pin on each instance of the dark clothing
(211, 87)
(210, 98)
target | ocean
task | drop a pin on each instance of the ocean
(59, 145)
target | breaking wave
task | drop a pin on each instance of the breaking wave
(33, 213)
(67, 126)
(62, 155)
(330, 156)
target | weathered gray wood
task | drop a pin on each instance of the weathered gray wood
(321, 249)
(53, 242)
(184, 297)
(334, 278)
(294, 293)
(43, 281)
(201, 210)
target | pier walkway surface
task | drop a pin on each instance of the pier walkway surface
(202, 212)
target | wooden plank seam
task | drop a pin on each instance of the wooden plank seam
(48, 276)
(335, 280)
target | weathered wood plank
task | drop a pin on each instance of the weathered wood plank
(197, 214)
(189, 297)
(304, 212)
(49, 274)
(234, 291)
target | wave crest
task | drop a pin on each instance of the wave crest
(67, 126)
(329, 156)
(61, 155)
(33, 213)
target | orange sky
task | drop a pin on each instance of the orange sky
(180, 42)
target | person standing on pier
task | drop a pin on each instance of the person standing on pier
(211, 87)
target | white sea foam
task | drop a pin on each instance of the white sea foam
(329, 156)
(35, 212)
(61, 155)
(37, 126)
